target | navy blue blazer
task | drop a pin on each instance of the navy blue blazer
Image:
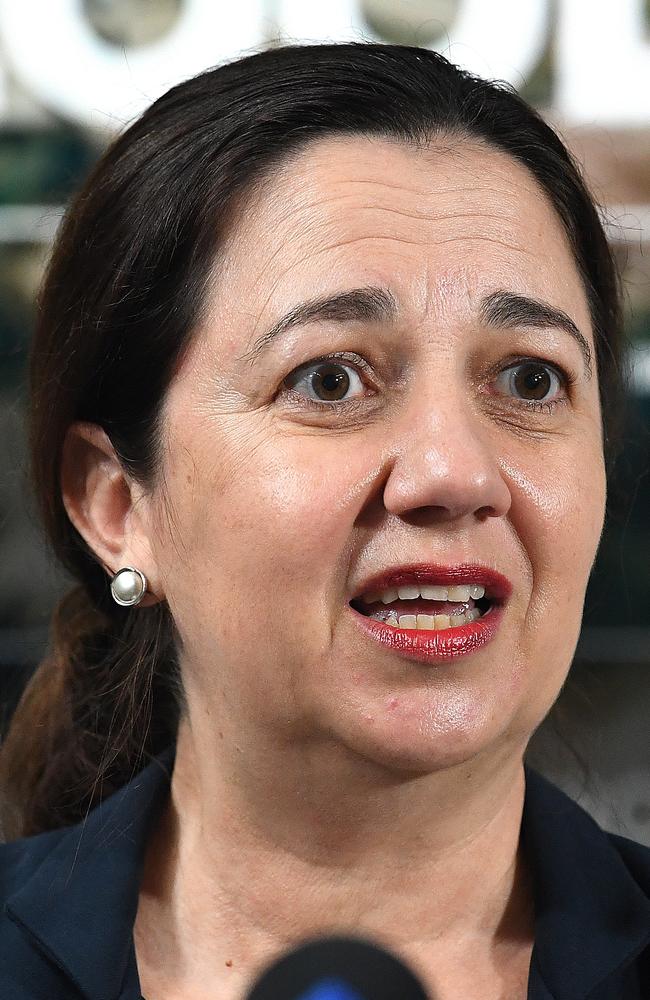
(70, 896)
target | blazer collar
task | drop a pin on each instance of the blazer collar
(80, 904)
(591, 915)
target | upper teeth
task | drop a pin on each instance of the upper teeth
(430, 593)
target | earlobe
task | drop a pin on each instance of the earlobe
(98, 498)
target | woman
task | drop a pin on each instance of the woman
(322, 397)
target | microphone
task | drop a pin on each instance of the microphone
(337, 968)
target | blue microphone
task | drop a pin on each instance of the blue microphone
(337, 968)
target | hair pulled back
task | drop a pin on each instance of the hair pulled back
(120, 300)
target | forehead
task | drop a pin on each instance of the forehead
(441, 226)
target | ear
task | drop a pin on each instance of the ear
(108, 509)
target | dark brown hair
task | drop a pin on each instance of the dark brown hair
(120, 300)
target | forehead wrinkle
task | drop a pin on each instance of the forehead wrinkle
(296, 211)
(456, 189)
(312, 253)
(433, 213)
(474, 189)
(439, 216)
(426, 239)
(402, 241)
(490, 221)
(499, 219)
(486, 239)
(317, 162)
(426, 192)
(293, 204)
(525, 182)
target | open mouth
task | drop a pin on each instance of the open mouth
(426, 606)
(432, 613)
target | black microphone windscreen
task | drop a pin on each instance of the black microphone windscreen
(337, 968)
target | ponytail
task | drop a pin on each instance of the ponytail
(86, 722)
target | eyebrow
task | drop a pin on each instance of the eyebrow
(369, 304)
(372, 304)
(507, 309)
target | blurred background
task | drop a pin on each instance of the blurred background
(73, 73)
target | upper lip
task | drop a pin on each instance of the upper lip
(497, 586)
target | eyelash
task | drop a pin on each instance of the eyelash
(565, 378)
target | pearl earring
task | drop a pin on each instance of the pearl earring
(128, 586)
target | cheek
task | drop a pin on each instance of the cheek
(558, 511)
(558, 501)
(267, 512)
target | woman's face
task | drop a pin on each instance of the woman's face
(280, 495)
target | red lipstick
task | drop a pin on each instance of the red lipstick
(430, 646)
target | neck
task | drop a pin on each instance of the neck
(256, 853)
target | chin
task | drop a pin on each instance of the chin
(414, 748)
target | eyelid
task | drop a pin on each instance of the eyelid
(353, 359)
(566, 378)
(351, 356)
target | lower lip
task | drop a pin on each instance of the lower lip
(427, 646)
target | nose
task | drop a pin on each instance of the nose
(445, 464)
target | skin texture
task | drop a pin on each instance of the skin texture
(323, 782)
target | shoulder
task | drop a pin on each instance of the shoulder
(117, 819)
(592, 896)
(68, 897)
(19, 859)
(551, 815)
(546, 802)
(25, 971)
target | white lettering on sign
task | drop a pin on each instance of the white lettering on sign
(603, 63)
(55, 53)
(502, 39)
(601, 60)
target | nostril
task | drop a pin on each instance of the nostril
(483, 513)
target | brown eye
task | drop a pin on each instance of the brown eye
(530, 381)
(326, 382)
(330, 383)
